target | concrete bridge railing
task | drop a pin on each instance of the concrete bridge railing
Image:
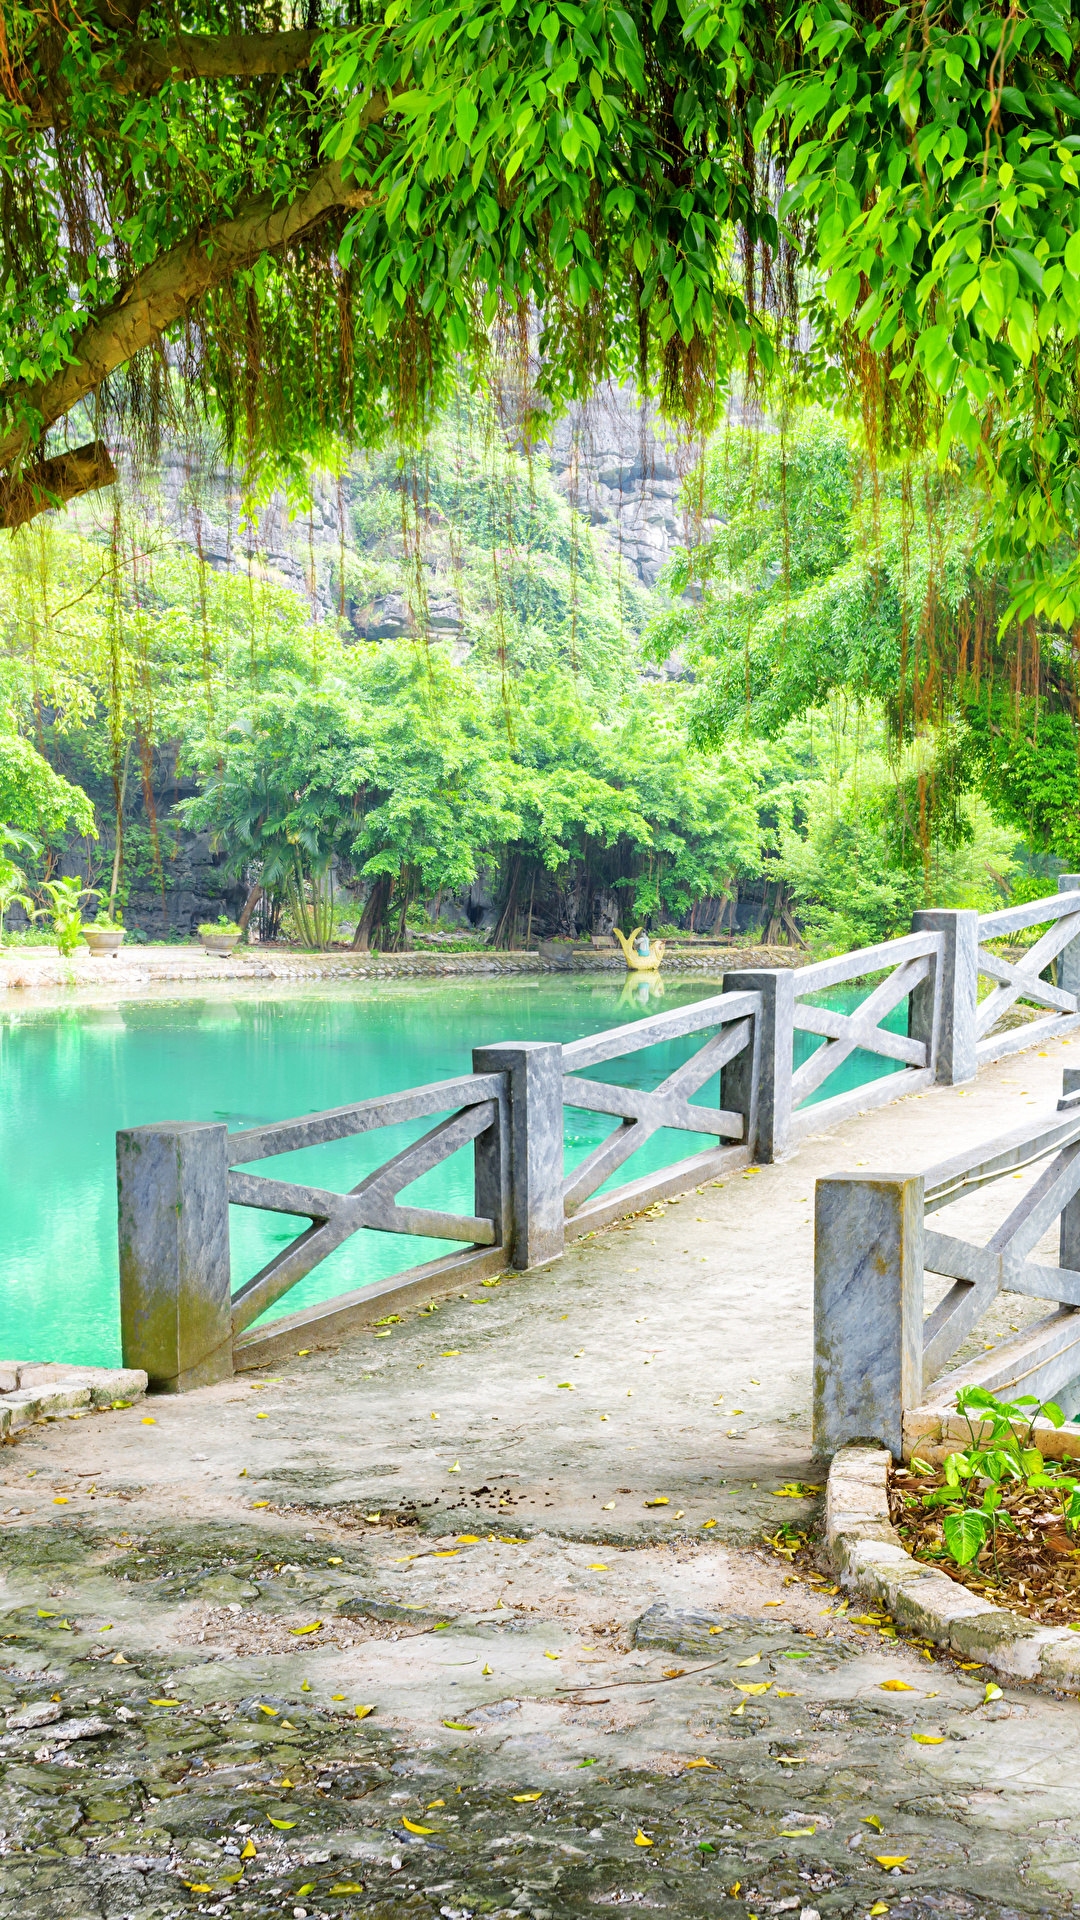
(879, 1360)
(182, 1321)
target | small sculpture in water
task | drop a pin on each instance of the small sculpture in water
(640, 956)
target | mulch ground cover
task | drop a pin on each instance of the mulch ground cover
(1034, 1568)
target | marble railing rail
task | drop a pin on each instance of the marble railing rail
(182, 1321)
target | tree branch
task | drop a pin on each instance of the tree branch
(165, 291)
(52, 483)
(192, 56)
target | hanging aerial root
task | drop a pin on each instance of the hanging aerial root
(52, 483)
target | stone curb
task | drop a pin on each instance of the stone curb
(866, 1553)
(47, 1390)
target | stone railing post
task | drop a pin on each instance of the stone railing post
(868, 1308)
(1068, 960)
(172, 1184)
(952, 1051)
(770, 1060)
(537, 1218)
(1069, 1227)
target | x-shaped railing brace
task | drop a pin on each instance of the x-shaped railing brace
(371, 1203)
(642, 1113)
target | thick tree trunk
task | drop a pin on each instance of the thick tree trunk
(374, 912)
(165, 291)
(250, 905)
(149, 66)
(52, 483)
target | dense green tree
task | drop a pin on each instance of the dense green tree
(814, 576)
(303, 222)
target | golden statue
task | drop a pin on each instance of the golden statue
(641, 957)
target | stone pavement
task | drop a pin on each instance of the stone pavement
(450, 1521)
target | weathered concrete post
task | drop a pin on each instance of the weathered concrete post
(770, 1059)
(1069, 1228)
(952, 1048)
(1068, 960)
(491, 1172)
(175, 1307)
(537, 1219)
(868, 1307)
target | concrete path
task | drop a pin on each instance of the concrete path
(449, 1521)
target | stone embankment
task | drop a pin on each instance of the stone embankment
(138, 967)
(32, 1391)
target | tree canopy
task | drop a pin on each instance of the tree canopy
(301, 225)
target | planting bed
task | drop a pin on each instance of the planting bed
(1036, 1568)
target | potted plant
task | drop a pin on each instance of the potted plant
(219, 936)
(105, 932)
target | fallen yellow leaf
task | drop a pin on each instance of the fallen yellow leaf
(61, 1500)
(362, 1712)
(879, 1907)
(896, 1686)
(247, 1851)
(970, 1666)
(411, 1826)
(149, 1421)
(435, 1803)
(348, 1886)
(661, 1501)
(313, 1628)
(273, 1711)
(706, 1524)
(596, 1566)
(164, 1703)
(795, 1833)
(280, 1823)
(753, 1661)
(458, 1726)
(872, 1820)
(928, 1739)
(753, 1686)
(550, 1656)
(741, 1708)
(608, 1506)
(118, 1660)
(992, 1692)
(485, 1668)
(642, 1839)
(469, 1539)
(456, 1468)
(260, 1503)
(888, 1860)
(527, 1796)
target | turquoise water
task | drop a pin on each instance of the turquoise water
(71, 1075)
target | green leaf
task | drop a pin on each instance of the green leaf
(964, 1536)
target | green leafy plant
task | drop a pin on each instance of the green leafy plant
(217, 928)
(976, 1476)
(12, 877)
(65, 911)
(108, 922)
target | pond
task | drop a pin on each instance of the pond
(71, 1075)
